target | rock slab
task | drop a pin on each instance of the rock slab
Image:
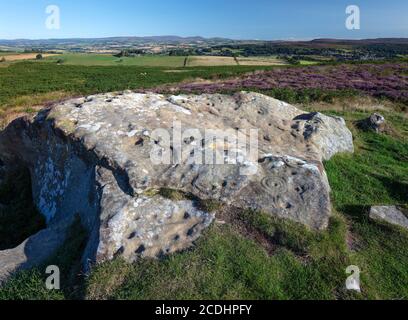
(391, 214)
(375, 122)
(96, 158)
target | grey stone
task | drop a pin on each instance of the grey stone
(391, 214)
(92, 157)
(33, 251)
(376, 122)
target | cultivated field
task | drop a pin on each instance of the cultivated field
(261, 61)
(10, 57)
(198, 61)
(110, 60)
(162, 61)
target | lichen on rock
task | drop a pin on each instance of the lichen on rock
(95, 157)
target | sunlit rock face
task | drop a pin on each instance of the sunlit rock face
(103, 157)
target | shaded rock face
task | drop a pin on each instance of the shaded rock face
(375, 122)
(99, 157)
(391, 214)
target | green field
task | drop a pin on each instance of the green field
(110, 60)
(160, 61)
(8, 53)
(33, 82)
(308, 63)
(227, 263)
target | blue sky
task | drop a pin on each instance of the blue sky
(238, 19)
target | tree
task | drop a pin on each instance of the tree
(39, 56)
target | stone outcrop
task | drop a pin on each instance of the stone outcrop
(375, 122)
(391, 214)
(103, 157)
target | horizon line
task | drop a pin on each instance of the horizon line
(293, 39)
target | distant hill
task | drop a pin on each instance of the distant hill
(120, 43)
(363, 41)
(170, 39)
(110, 40)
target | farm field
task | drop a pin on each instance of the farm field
(8, 53)
(197, 61)
(10, 57)
(261, 61)
(162, 61)
(37, 82)
(110, 60)
(308, 63)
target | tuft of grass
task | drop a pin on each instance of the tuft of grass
(209, 205)
(28, 285)
(106, 279)
(171, 194)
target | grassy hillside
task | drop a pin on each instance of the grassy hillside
(252, 256)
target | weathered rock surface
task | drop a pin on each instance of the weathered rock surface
(392, 214)
(375, 122)
(97, 157)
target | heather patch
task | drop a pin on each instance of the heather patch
(388, 80)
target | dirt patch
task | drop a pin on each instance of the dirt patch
(198, 61)
(261, 61)
(231, 216)
(353, 242)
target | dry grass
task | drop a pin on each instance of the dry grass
(28, 104)
(208, 61)
(24, 56)
(175, 71)
(261, 61)
(107, 280)
(352, 104)
(202, 61)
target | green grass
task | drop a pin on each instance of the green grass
(308, 63)
(151, 60)
(110, 60)
(36, 78)
(224, 265)
(8, 53)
